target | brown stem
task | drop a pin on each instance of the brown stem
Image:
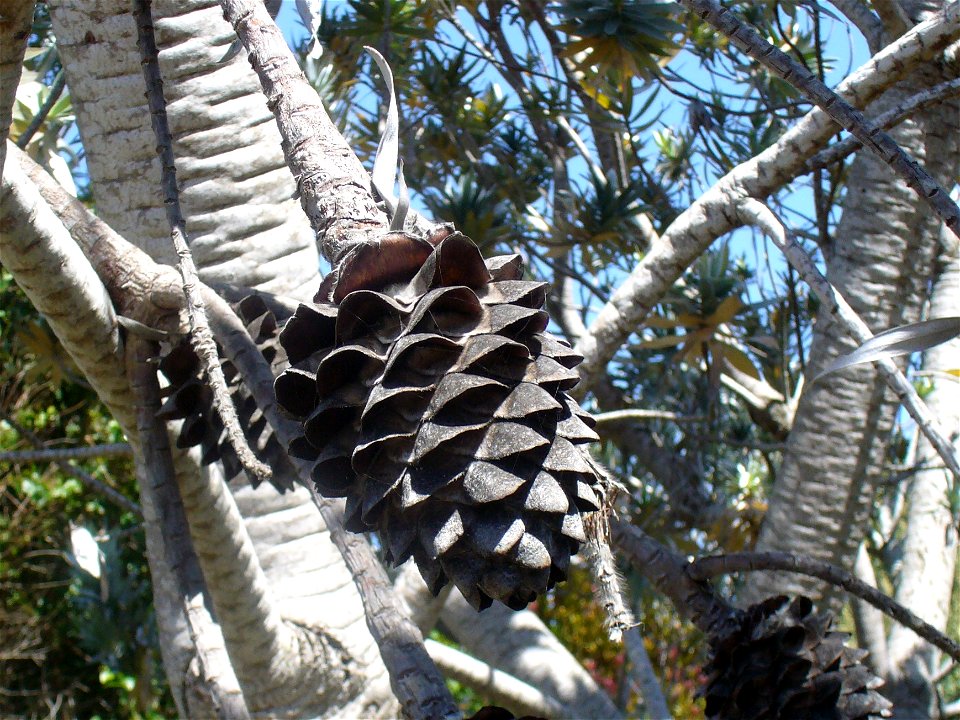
(158, 479)
(200, 338)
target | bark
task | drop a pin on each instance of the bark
(60, 282)
(16, 19)
(882, 262)
(247, 230)
(930, 546)
(236, 192)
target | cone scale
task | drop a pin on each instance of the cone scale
(431, 397)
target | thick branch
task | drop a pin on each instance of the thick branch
(45, 261)
(158, 484)
(334, 187)
(16, 20)
(711, 216)
(709, 567)
(755, 212)
(495, 685)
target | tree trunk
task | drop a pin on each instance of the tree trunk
(247, 230)
(881, 261)
(929, 560)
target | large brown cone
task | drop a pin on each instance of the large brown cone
(783, 661)
(433, 401)
(189, 398)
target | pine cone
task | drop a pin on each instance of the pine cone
(432, 399)
(782, 660)
(190, 399)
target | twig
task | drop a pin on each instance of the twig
(158, 483)
(615, 416)
(415, 679)
(97, 486)
(710, 567)
(754, 212)
(886, 120)
(56, 90)
(66, 453)
(844, 114)
(498, 687)
(200, 338)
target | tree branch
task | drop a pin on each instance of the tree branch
(56, 90)
(46, 262)
(756, 213)
(709, 567)
(60, 456)
(51, 455)
(844, 114)
(641, 670)
(692, 232)
(498, 687)
(886, 120)
(16, 20)
(158, 485)
(865, 21)
(200, 338)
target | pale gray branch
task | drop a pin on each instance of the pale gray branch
(641, 670)
(756, 213)
(499, 687)
(842, 112)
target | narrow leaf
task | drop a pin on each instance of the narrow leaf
(385, 165)
(902, 340)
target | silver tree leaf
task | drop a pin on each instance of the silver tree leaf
(902, 340)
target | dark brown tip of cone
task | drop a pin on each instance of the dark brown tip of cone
(395, 257)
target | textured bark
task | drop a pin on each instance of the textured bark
(247, 230)
(236, 191)
(881, 261)
(930, 545)
(60, 282)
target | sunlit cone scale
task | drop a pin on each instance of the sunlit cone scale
(781, 660)
(433, 400)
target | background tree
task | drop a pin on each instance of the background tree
(610, 145)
